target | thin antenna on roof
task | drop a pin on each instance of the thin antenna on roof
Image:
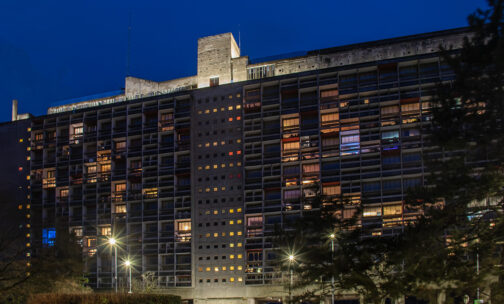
(239, 38)
(129, 47)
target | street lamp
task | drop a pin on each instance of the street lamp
(332, 236)
(112, 241)
(127, 263)
(291, 260)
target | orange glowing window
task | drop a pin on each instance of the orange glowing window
(230, 119)
(238, 117)
(238, 152)
(231, 153)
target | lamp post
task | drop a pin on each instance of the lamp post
(112, 243)
(332, 236)
(291, 259)
(127, 263)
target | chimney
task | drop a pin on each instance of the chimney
(14, 109)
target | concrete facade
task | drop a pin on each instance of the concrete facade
(195, 177)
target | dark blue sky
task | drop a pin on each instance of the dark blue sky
(55, 50)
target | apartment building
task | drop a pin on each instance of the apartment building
(191, 175)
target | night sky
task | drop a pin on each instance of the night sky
(56, 50)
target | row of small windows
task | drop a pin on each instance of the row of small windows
(223, 211)
(223, 177)
(222, 234)
(224, 280)
(216, 166)
(216, 143)
(223, 120)
(231, 222)
(215, 98)
(224, 257)
(217, 189)
(223, 200)
(222, 109)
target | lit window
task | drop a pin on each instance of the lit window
(231, 222)
(231, 256)
(207, 235)
(200, 167)
(231, 210)
(238, 152)
(223, 165)
(240, 267)
(238, 140)
(230, 108)
(239, 244)
(216, 269)
(231, 233)
(231, 279)
(207, 144)
(214, 110)
(216, 212)
(106, 231)
(215, 189)
(239, 233)
(239, 210)
(230, 119)
(20, 140)
(207, 167)
(238, 164)
(223, 143)
(238, 107)
(231, 267)
(223, 188)
(215, 234)
(231, 165)
(240, 256)
(207, 189)
(231, 245)
(214, 143)
(200, 269)
(240, 279)
(231, 153)
(238, 221)
(224, 268)
(207, 111)
(207, 269)
(238, 117)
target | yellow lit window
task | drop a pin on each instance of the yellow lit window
(207, 235)
(223, 234)
(238, 140)
(240, 279)
(216, 269)
(28, 158)
(231, 165)
(231, 267)
(207, 144)
(215, 110)
(230, 108)
(200, 168)
(223, 109)
(20, 140)
(240, 267)
(29, 129)
(214, 143)
(207, 212)
(231, 222)
(231, 210)
(239, 244)
(231, 279)
(215, 189)
(238, 164)
(240, 256)
(207, 190)
(223, 143)
(239, 233)
(207, 111)
(238, 107)
(223, 188)
(207, 269)
(207, 167)
(223, 165)
(231, 233)
(224, 268)
(216, 212)
(231, 256)
(231, 245)
(239, 210)
(238, 221)
(200, 269)
(28, 149)
(27, 177)
(215, 166)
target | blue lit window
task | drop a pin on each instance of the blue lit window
(48, 237)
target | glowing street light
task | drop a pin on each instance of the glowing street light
(127, 263)
(291, 258)
(332, 236)
(112, 241)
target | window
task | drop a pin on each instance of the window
(254, 221)
(120, 209)
(329, 118)
(290, 123)
(120, 187)
(184, 227)
(372, 211)
(214, 81)
(291, 145)
(261, 72)
(48, 237)
(410, 107)
(120, 145)
(332, 190)
(311, 168)
(106, 231)
(392, 210)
